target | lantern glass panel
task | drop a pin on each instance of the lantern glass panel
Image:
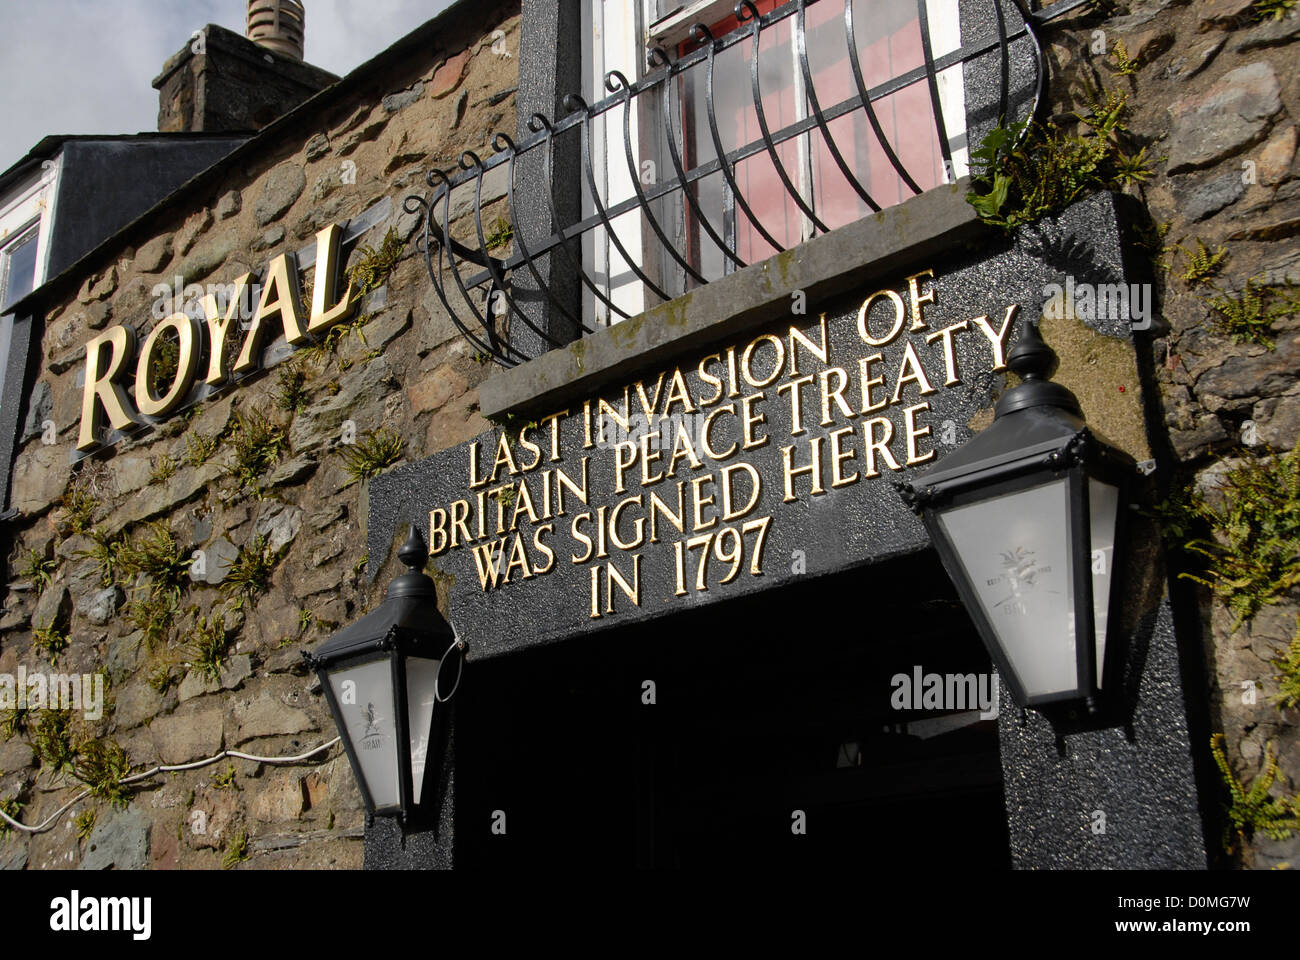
(364, 694)
(1015, 550)
(421, 683)
(1103, 510)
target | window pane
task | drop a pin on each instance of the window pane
(6, 335)
(364, 694)
(889, 45)
(421, 702)
(1015, 550)
(888, 41)
(1103, 508)
(20, 269)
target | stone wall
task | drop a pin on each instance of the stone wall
(1213, 95)
(402, 368)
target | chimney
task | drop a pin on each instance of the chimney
(278, 25)
(221, 82)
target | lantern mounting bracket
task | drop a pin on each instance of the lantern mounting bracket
(1079, 449)
(916, 500)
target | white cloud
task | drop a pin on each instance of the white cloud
(86, 66)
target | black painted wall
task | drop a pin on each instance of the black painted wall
(1134, 765)
(550, 68)
(105, 184)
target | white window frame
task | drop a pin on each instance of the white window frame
(26, 207)
(672, 28)
(31, 204)
(618, 35)
(612, 40)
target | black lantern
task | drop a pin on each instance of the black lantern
(1027, 517)
(380, 676)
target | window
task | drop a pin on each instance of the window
(17, 279)
(18, 268)
(25, 216)
(685, 156)
(775, 197)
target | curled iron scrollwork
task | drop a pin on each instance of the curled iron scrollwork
(489, 297)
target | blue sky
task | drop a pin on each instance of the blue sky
(85, 66)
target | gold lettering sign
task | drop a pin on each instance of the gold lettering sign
(111, 354)
(787, 416)
(103, 391)
(187, 334)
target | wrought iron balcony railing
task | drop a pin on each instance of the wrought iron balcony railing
(798, 147)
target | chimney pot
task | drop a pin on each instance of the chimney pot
(278, 25)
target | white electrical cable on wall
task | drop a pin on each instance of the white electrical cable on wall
(165, 768)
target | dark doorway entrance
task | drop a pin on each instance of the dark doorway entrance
(764, 708)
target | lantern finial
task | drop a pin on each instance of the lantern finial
(1031, 358)
(413, 552)
(1034, 361)
(413, 583)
